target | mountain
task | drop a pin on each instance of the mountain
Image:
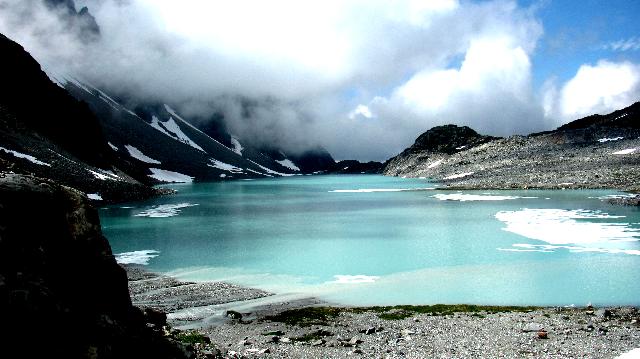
(46, 132)
(80, 22)
(56, 126)
(163, 146)
(599, 151)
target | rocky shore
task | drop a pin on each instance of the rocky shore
(247, 327)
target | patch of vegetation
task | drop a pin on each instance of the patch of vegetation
(309, 337)
(399, 312)
(306, 316)
(192, 337)
(322, 315)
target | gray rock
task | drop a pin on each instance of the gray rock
(317, 343)
(532, 327)
(603, 313)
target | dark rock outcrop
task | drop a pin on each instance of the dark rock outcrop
(62, 294)
(448, 139)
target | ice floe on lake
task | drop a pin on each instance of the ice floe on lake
(464, 197)
(372, 190)
(354, 279)
(164, 210)
(136, 257)
(574, 230)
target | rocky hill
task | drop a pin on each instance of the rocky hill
(600, 151)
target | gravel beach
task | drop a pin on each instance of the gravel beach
(272, 326)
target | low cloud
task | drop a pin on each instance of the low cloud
(601, 88)
(361, 77)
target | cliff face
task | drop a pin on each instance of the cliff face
(62, 294)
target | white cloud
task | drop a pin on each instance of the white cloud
(630, 44)
(287, 70)
(361, 110)
(601, 88)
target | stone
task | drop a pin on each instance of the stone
(355, 341)
(264, 351)
(532, 327)
(275, 338)
(233, 315)
(603, 313)
(317, 343)
(542, 334)
(407, 332)
(368, 331)
(285, 340)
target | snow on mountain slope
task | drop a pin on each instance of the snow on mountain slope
(156, 134)
(287, 163)
(137, 154)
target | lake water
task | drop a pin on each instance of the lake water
(373, 240)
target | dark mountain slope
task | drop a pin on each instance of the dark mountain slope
(46, 132)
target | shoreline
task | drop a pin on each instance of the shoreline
(246, 322)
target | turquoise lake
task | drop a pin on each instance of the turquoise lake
(374, 240)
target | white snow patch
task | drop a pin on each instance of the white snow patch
(268, 170)
(136, 257)
(137, 154)
(222, 175)
(559, 228)
(155, 123)
(548, 248)
(461, 147)
(224, 166)
(113, 147)
(463, 197)
(95, 196)
(105, 175)
(169, 176)
(460, 175)
(627, 151)
(26, 157)
(237, 147)
(632, 354)
(607, 139)
(259, 173)
(354, 279)
(435, 164)
(173, 127)
(621, 116)
(164, 210)
(373, 190)
(290, 165)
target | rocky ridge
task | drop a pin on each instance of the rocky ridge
(596, 152)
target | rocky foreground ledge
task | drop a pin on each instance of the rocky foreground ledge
(311, 329)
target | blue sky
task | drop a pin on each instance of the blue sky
(579, 32)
